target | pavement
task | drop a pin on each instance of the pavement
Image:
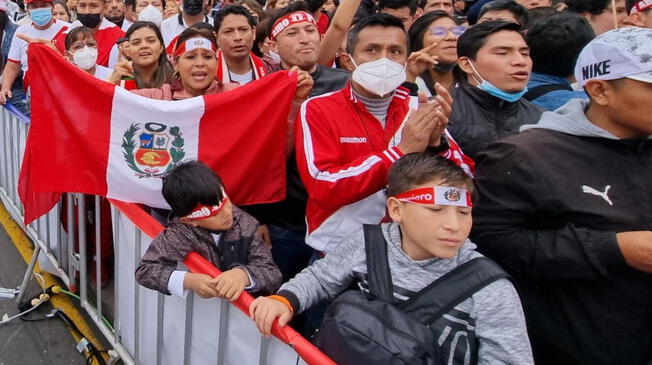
(30, 343)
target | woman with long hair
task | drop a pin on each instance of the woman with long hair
(147, 63)
(439, 31)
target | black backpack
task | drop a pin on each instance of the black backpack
(371, 328)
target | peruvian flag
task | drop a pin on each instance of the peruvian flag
(88, 136)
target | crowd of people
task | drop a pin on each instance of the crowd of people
(519, 130)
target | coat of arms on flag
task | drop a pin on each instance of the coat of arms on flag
(153, 149)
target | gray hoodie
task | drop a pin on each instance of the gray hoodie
(496, 309)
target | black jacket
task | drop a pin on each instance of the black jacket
(544, 216)
(479, 118)
(291, 212)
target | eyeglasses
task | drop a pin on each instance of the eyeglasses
(80, 45)
(443, 31)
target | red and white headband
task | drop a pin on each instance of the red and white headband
(437, 195)
(203, 211)
(192, 44)
(293, 18)
(641, 6)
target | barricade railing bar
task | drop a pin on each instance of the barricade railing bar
(148, 327)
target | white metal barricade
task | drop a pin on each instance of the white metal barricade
(148, 327)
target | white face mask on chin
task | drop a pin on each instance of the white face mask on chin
(85, 58)
(151, 14)
(379, 77)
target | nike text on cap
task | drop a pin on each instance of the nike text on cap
(619, 53)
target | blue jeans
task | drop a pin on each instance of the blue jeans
(289, 250)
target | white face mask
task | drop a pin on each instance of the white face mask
(85, 58)
(151, 14)
(379, 77)
(274, 56)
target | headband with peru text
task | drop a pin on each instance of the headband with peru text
(192, 44)
(641, 6)
(293, 18)
(437, 195)
(203, 211)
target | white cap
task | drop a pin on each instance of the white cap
(3, 5)
(619, 53)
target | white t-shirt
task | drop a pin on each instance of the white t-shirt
(18, 48)
(241, 79)
(174, 25)
(102, 73)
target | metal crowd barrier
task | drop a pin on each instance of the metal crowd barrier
(148, 327)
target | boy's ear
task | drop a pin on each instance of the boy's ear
(394, 209)
(188, 221)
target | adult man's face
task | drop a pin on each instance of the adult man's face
(531, 4)
(114, 10)
(504, 60)
(403, 14)
(492, 15)
(90, 7)
(445, 5)
(628, 110)
(235, 37)
(642, 19)
(142, 4)
(378, 42)
(459, 5)
(298, 45)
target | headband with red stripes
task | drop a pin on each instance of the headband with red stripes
(203, 211)
(192, 44)
(437, 195)
(641, 6)
(290, 19)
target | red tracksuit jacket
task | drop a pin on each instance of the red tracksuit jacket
(343, 155)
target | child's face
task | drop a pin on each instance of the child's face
(223, 220)
(431, 231)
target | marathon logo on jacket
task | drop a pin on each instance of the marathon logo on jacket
(437, 195)
(293, 18)
(353, 139)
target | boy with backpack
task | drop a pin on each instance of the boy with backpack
(207, 223)
(422, 294)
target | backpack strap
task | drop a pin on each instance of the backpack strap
(538, 91)
(379, 277)
(445, 293)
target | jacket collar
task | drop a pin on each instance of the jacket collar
(484, 99)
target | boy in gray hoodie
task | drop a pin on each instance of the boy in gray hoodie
(430, 205)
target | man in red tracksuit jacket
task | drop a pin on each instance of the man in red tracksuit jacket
(346, 141)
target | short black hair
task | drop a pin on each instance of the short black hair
(233, 10)
(556, 42)
(539, 14)
(418, 168)
(519, 12)
(476, 36)
(375, 20)
(278, 14)
(190, 184)
(397, 4)
(594, 7)
(314, 5)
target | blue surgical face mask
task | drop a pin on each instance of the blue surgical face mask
(41, 16)
(491, 89)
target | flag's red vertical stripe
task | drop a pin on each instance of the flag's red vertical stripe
(243, 134)
(69, 107)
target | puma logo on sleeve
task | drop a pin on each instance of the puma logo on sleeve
(589, 190)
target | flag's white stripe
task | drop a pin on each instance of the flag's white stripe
(123, 182)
